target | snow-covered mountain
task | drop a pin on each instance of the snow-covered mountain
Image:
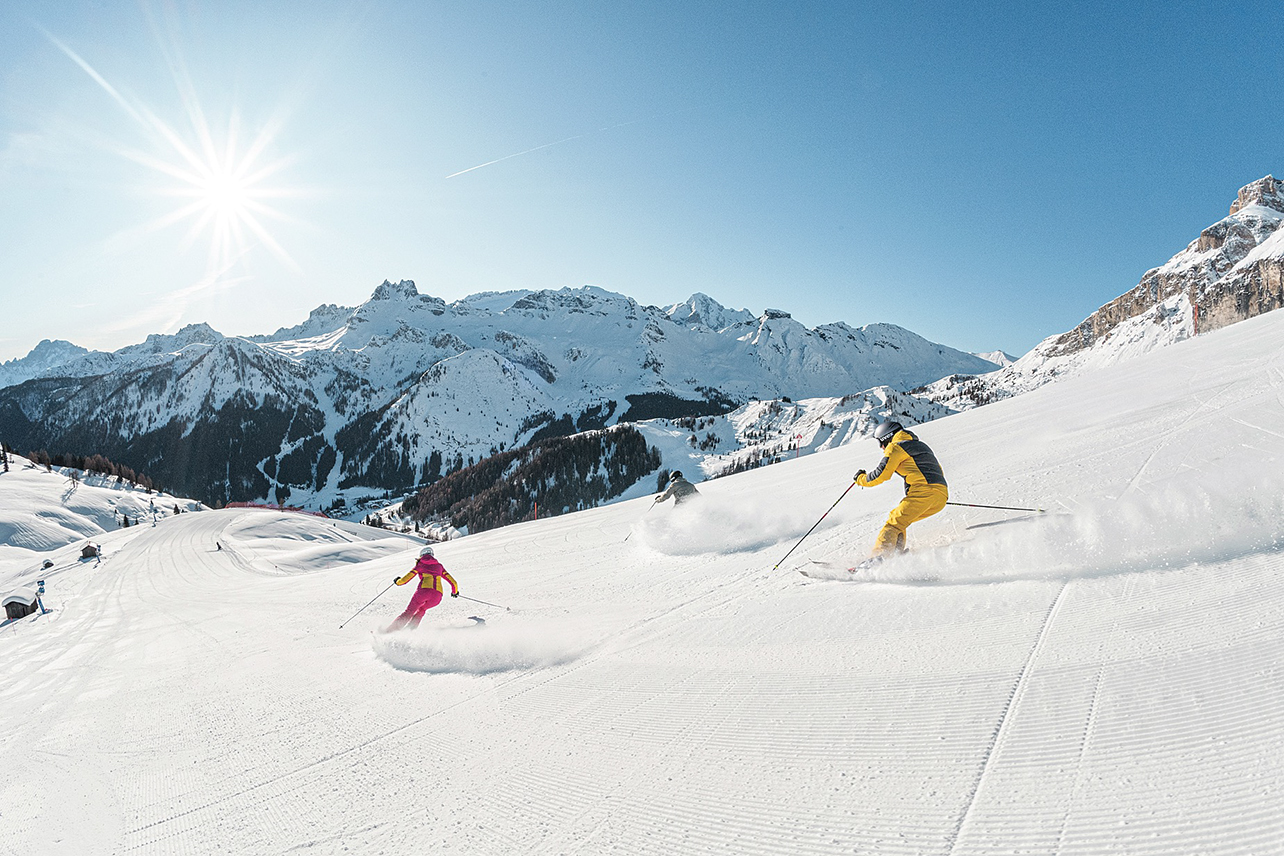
(704, 313)
(45, 357)
(1101, 679)
(999, 358)
(389, 394)
(1234, 270)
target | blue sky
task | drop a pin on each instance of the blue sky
(983, 174)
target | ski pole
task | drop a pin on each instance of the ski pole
(487, 603)
(814, 525)
(372, 600)
(998, 507)
(648, 508)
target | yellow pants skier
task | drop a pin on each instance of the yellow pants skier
(925, 490)
(921, 501)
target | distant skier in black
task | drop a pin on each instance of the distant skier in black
(679, 488)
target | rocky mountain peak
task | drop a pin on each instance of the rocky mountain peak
(43, 358)
(160, 343)
(1265, 192)
(199, 332)
(405, 289)
(702, 311)
(50, 351)
(1233, 271)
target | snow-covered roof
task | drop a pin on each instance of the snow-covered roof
(23, 595)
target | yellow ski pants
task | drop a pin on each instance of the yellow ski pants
(921, 501)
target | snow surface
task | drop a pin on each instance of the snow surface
(1103, 678)
(45, 509)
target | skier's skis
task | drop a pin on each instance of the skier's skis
(821, 570)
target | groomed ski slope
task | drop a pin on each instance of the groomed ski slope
(1103, 679)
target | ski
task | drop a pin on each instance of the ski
(822, 570)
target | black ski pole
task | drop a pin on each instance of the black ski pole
(996, 507)
(644, 514)
(372, 600)
(487, 603)
(814, 525)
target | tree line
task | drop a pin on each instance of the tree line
(558, 475)
(92, 464)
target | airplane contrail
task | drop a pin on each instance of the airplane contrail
(98, 78)
(546, 146)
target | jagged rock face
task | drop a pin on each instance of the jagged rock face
(1234, 270)
(1264, 192)
(1231, 272)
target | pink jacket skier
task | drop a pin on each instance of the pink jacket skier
(427, 594)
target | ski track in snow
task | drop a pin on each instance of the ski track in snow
(1104, 679)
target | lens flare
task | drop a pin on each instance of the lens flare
(225, 186)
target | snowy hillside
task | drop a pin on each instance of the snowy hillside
(44, 509)
(593, 468)
(1163, 324)
(356, 402)
(765, 432)
(1100, 679)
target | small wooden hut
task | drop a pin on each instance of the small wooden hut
(20, 604)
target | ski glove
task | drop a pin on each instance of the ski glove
(454, 594)
(859, 473)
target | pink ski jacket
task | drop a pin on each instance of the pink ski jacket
(430, 573)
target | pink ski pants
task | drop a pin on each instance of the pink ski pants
(421, 601)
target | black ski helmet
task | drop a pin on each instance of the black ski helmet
(886, 430)
(675, 475)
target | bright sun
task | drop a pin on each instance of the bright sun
(227, 194)
(225, 185)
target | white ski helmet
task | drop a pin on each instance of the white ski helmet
(426, 551)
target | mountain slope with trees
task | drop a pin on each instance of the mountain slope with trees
(391, 395)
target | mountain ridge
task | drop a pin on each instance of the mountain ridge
(1234, 270)
(360, 399)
